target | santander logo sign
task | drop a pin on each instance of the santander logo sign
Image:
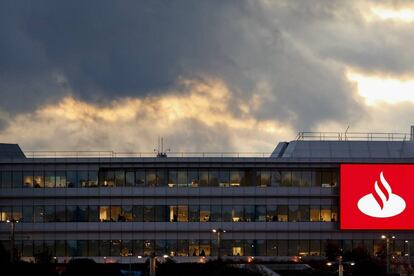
(377, 197)
(381, 203)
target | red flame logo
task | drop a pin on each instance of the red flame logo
(382, 191)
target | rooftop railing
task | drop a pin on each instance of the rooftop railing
(353, 136)
(113, 154)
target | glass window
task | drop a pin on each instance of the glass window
(71, 213)
(260, 248)
(294, 213)
(334, 213)
(120, 178)
(160, 247)
(129, 178)
(5, 213)
(38, 179)
(160, 213)
(194, 213)
(116, 213)
(286, 178)
(108, 178)
(50, 181)
(126, 214)
(60, 179)
(27, 248)
(325, 213)
(271, 213)
(263, 178)
(93, 213)
(296, 178)
(138, 247)
(83, 179)
(60, 213)
(72, 248)
(161, 178)
(303, 213)
(193, 178)
(260, 213)
(182, 247)
(237, 213)
(227, 213)
(182, 211)
(237, 248)
(49, 213)
(307, 177)
(116, 247)
(182, 178)
(224, 178)
(271, 247)
(282, 213)
(203, 176)
(127, 248)
(38, 213)
(28, 179)
(17, 179)
(104, 248)
(193, 247)
(104, 213)
(93, 248)
(6, 179)
(38, 247)
(213, 178)
(249, 248)
(315, 247)
(149, 213)
(151, 178)
(293, 248)
(140, 178)
(138, 213)
(93, 178)
(28, 213)
(82, 213)
(236, 178)
(216, 213)
(315, 213)
(205, 213)
(303, 247)
(17, 213)
(148, 247)
(71, 179)
(276, 178)
(82, 248)
(249, 213)
(205, 247)
(172, 178)
(60, 247)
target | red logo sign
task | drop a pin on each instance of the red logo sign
(377, 196)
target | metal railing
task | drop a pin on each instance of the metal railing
(113, 154)
(353, 136)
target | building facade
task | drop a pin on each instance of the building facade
(123, 208)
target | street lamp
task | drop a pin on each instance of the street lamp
(12, 222)
(387, 238)
(408, 249)
(218, 232)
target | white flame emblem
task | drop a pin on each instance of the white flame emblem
(381, 203)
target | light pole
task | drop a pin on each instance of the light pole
(12, 222)
(387, 239)
(408, 248)
(219, 232)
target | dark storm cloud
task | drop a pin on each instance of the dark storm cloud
(292, 55)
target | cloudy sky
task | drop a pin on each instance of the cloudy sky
(218, 75)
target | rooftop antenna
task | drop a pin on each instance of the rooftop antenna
(160, 149)
(346, 131)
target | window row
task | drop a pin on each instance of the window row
(169, 178)
(103, 248)
(170, 213)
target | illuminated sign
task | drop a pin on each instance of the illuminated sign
(377, 196)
